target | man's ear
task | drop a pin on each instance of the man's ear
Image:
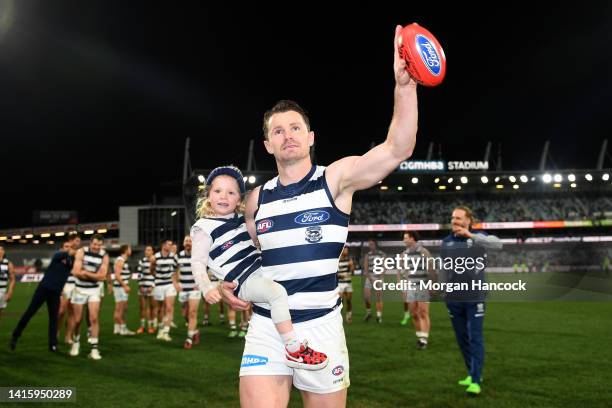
(311, 137)
(268, 147)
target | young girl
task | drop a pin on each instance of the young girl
(221, 242)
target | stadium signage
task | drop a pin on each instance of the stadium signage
(433, 166)
(422, 166)
(468, 165)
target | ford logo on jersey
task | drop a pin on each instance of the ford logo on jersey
(312, 217)
(264, 225)
(428, 54)
(250, 360)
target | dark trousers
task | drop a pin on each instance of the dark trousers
(467, 319)
(42, 295)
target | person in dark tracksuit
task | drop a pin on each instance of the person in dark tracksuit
(49, 290)
(467, 307)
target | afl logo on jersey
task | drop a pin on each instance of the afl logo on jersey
(264, 226)
(227, 244)
(312, 217)
(338, 370)
(314, 234)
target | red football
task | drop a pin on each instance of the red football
(424, 56)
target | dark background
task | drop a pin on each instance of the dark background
(97, 97)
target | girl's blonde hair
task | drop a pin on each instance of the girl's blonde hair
(204, 209)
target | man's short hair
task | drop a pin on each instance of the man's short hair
(98, 237)
(123, 248)
(413, 234)
(284, 106)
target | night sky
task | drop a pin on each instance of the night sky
(97, 97)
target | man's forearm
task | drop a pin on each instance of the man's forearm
(403, 128)
(488, 241)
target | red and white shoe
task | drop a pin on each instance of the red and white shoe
(196, 338)
(306, 358)
(188, 344)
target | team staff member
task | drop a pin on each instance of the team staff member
(49, 290)
(467, 307)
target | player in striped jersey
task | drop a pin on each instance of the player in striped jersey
(373, 255)
(90, 267)
(163, 267)
(418, 299)
(300, 219)
(121, 290)
(7, 280)
(346, 269)
(189, 295)
(146, 283)
(222, 243)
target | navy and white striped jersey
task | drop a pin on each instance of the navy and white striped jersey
(416, 262)
(145, 279)
(186, 278)
(344, 272)
(4, 273)
(164, 268)
(371, 258)
(232, 255)
(301, 234)
(91, 263)
(125, 273)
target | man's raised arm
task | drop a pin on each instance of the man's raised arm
(360, 172)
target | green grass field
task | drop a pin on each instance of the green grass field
(540, 354)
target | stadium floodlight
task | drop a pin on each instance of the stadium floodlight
(571, 177)
(400, 188)
(60, 234)
(437, 180)
(516, 186)
(86, 232)
(484, 179)
(573, 185)
(557, 185)
(442, 187)
(558, 178)
(29, 236)
(499, 186)
(524, 178)
(23, 241)
(2, 238)
(533, 178)
(464, 180)
(588, 177)
(384, 187)
(102, 231)
(512, 179)
(605, 177)
(415, 180)
(16, 237)
(51, 242)
(45, 235)
(450, 180)
(457, 187)
(201, 178)
(36, 242)
(497, 179)
(245, 178)
(252, 179)
(547, 178)
(173, 214)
